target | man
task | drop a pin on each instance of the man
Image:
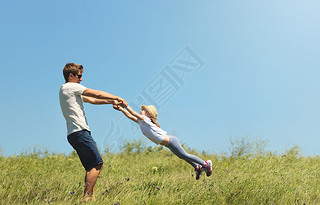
(72, 95)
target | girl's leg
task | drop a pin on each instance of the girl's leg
(175, 146)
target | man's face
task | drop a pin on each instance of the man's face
(75, 78)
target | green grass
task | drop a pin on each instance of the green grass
(159, 177)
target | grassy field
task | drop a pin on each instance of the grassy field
(156, 176)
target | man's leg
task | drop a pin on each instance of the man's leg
(89, 155)
(90, 181)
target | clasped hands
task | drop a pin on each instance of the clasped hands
(120, 103)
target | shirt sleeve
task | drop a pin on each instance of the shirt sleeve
(143, 120)
(77, 89)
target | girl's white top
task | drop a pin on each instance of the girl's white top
(72, 107)
(150, 130)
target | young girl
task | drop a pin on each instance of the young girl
(147, 119)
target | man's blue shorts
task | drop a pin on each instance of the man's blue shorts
(86, 148)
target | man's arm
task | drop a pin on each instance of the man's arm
(102, 95)
(132, 112)
(97, 101)
(126, 113)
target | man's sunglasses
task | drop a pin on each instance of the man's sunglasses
(79, 76)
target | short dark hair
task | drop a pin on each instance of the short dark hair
(71, 68)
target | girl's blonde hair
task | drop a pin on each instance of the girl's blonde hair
(152, 113)
(154, 121)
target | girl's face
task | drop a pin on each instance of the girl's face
(144, 112)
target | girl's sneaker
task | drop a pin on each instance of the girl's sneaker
(198, 171)
(208, 167)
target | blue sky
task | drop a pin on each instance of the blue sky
(260, 75)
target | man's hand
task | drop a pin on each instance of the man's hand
(122, 102)
(117, 105)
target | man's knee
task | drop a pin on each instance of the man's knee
(99, 167)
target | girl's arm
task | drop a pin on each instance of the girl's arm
(132, 112)
(126, 113)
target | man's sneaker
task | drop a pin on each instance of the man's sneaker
(208, 167)
(198, 171)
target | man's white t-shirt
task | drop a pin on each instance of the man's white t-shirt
(71, 104)
(150, 130)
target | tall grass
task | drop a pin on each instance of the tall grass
(156, 176)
